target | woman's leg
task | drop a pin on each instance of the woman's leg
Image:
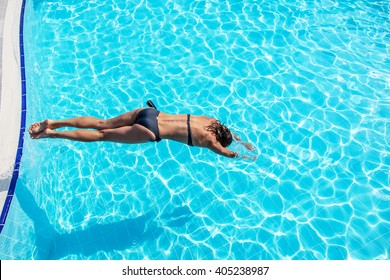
(126, 134)
(126, 119)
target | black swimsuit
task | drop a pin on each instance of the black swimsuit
(189, 139)
(148, 118)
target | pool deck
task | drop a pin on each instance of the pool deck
(10, 101)
(3, 7)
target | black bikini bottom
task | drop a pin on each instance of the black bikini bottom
(148, 118)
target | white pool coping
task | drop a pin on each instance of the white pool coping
(11, 96)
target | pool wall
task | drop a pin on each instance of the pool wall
(13, 100)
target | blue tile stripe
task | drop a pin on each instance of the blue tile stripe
(19, 152)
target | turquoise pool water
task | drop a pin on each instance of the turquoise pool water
(307, 83)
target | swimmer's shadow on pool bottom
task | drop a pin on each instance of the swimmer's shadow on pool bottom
(115, 236)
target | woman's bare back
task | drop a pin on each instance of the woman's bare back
(174, 127)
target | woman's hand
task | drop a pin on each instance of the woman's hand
(249, 147)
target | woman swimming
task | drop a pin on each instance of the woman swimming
(143, 125)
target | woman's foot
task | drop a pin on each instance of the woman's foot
(39, 126)
(43, 134)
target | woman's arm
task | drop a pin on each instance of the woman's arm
(216, 147)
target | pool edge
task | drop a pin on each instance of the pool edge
(13, 108)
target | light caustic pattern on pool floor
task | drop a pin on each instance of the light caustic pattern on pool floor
(307, 83)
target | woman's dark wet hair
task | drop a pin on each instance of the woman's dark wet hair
(221, 132)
